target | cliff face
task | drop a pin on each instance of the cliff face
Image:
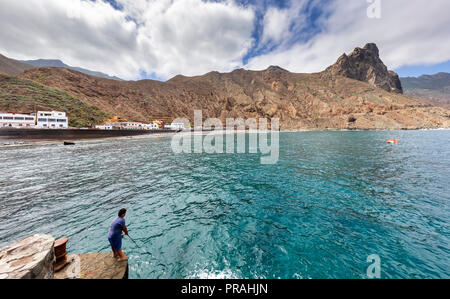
(365, 65)
(332, 99)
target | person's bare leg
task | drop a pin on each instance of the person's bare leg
(115, 253)
(122, 255)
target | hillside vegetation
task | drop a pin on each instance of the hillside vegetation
(24, 96)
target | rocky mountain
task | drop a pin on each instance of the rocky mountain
(364, 64)
(59, 63)
(358, 92)
(433, 89)
(326, 100)
(12, 67)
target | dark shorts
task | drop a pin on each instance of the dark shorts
(116, 242)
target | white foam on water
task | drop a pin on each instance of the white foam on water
(283, 249)
(297, 276)
(205, 274)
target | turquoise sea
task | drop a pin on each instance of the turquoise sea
(333, 199)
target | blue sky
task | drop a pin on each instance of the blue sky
(302, 33)
(417, 70)
(158, 39)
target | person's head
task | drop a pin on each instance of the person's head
(122, 213)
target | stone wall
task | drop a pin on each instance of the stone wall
(44, 134)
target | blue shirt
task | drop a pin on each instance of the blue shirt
(116, 227)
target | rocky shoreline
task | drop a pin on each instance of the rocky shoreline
(8, 143)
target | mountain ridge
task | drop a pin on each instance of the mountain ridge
(12, 67)
(433, 89)
(301, 101)
(59, 63)
(324, 100)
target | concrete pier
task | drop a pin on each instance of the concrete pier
(93, 266)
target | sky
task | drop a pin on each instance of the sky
(159, 39)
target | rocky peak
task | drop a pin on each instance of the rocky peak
(364, 64)
(275, 68)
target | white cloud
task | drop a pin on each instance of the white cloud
(154, 36)
(276, 25)
(81, 33)
(281, 24)
(410, 32)
(192, 37)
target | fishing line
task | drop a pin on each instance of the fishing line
(143, 250)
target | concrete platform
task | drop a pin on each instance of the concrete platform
(72, 134)
(93, 266)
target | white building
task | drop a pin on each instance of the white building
(134, 126)
(13, 120)
(151, 127)
(127, 126)
(175, 126)
(104, 127)
(52, 120)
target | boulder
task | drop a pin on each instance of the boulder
(31, 258)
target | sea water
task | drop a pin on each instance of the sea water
(332, 200)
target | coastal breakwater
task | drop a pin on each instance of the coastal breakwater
(72, 134)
